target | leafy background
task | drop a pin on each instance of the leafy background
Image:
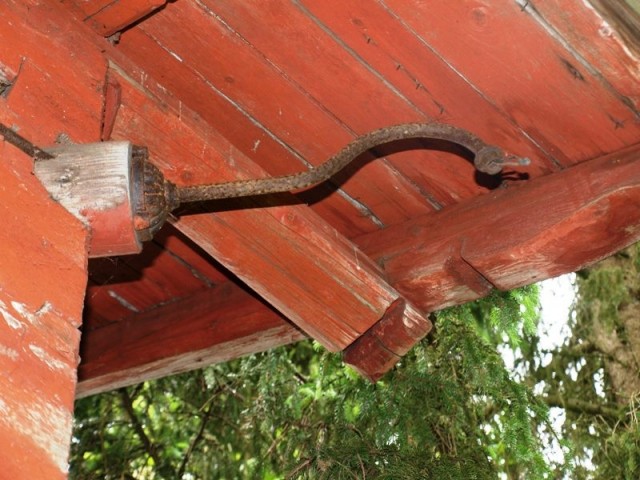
(451, 409)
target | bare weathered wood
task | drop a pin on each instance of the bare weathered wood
(213, 326)
(93, 182)
(624, 18)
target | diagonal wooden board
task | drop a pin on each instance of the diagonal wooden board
(208, 327)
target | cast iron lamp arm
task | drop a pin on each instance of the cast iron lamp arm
(487, 159)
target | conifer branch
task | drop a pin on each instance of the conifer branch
(149, 446)
(196, 440)
(581, 406)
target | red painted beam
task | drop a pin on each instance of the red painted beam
(508, 238)
(42, 281)
(212, 326)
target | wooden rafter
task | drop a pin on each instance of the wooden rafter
(508, 238)
(212, 326)
(291, 257)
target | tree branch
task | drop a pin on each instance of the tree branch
(149, 446)
(196, 440)
(581, 406)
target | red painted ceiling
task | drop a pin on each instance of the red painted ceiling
(250, 88)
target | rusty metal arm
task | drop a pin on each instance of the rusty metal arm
(487, 158)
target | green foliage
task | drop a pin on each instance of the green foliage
(450, 410)
(595, 375)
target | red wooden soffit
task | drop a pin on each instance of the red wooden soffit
(580, 215)
(108, 17)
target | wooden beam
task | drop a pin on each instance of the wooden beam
(209, 327)
(42, 282)
(549, 226)
(380, 348)
(508, 238)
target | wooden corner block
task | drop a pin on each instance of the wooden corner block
(380, 348)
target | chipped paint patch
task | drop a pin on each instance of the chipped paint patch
(32, 317)
(12, 321)
(9, 352)
(123, 301)
(48, 427)
(50, 361)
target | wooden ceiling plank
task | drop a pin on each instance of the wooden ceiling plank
(543, 228)
(579, 25)
(215, 325)
(305, 268)
(299, 120)
(108, 17)
(126, 284)
(536, 80)
(101, 308)
(199, 261)
(386, 45)
(388, 92)
(245, 135)
(158, 266)
(136, 283)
